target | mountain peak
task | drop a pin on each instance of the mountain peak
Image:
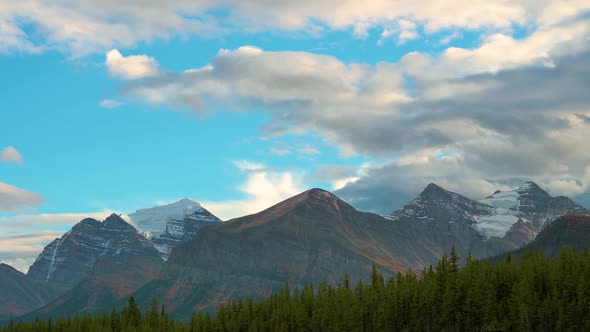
(435, 192)
(315, 198)
(115, 220)
(185, 202)
(316, 193)
(531, 186)
(69, 259)
(437, 204)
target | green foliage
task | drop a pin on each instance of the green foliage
(533, 294)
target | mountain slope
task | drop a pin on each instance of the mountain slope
(310, 238)
(437, 205)
(69, 259)
(19, 295)
(170, 225)
(569, 231)
(109, 283)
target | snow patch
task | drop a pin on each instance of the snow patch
(154, 220)
(495, 225)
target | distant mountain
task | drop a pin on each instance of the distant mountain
(19, 294)
(501, 222)
(69, 259)
(109, 284)
(170, 225)
(310, 238)
(529, 203)
(571, 231)
(440, 207)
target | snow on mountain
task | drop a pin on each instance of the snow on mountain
(502, 217)
(529, 203)
(152, 221)
(170, 225)
(492, 216)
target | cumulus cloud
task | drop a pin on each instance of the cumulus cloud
(75, 27)
(404, 30)
(130, 67)
(13, 199)
(509, 109)
(11, 155)
(262, 189)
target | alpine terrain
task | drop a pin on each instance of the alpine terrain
(69, 259)
(169, 225)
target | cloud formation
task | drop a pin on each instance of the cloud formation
(263, 188)
(131, 67)
(13, 199)
(11, 155)
(481, 118)
(83, 27)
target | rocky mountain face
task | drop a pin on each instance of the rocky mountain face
(501, 222)
(169, 225)
(310, 238)
(529, 203)
(19, 294)
(571, 231)
(69, 259)
(440, 207)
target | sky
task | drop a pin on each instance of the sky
(111, 106)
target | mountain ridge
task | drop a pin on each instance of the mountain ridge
(68, 259)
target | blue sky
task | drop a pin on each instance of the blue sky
(115, 106)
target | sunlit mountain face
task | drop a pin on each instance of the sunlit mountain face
(169, 147)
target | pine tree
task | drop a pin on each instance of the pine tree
(134, 313)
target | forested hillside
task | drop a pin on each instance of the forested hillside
(533, 294)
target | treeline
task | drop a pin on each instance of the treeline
(533, 294)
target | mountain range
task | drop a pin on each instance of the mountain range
(186, 257)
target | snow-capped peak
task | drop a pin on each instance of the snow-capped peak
(153, 220)
(169, 225)
(528, 186)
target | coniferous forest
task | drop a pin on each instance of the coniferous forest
(533, 293)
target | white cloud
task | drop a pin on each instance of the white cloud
(109, 103)
(341, 183)
(131, 67)
(11, 155)
(24, 223)
(495, 110)
(13, 199)
(280, 151)
(447, 40)
(248, 166)
(83, 27)
(404, 30)
(14, 39)
(310, 150)
(262, 189)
